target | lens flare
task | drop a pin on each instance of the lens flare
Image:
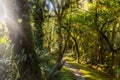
(9, 14)
(2, 10)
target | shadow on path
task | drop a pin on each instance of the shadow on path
(75, 71)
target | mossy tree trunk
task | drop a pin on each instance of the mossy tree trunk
(21, 36)
(38, 21)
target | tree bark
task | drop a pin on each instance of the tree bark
(22, 39)
(38, 20)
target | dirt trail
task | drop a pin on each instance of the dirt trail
(75, 71)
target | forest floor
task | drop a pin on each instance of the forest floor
(75, 71)
(88, 72)
(78, 75)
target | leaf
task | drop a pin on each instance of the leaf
(118, 71)
(3, 40)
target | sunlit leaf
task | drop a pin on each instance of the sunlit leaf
(3, 40)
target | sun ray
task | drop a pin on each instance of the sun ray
(8, 13)
(2, 10)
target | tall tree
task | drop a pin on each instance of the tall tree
(38, 20)
(59, 8)
(21, 36)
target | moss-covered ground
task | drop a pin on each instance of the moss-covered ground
(88, 72)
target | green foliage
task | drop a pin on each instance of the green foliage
(8, 68)
(89, 73)
(65, 74)
(23, 57)
(117, 70)
(93, 24)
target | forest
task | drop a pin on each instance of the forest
(59, 39)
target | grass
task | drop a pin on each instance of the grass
(65, 74)
(89, 73)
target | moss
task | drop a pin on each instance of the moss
(65, 74)
(89, 73)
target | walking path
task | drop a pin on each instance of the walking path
(75, 71)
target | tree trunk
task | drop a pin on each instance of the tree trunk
(38, 20)
(77, 48)
(60, 40)
(22, 39)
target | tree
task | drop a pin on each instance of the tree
(23, 51)
(38, 19)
